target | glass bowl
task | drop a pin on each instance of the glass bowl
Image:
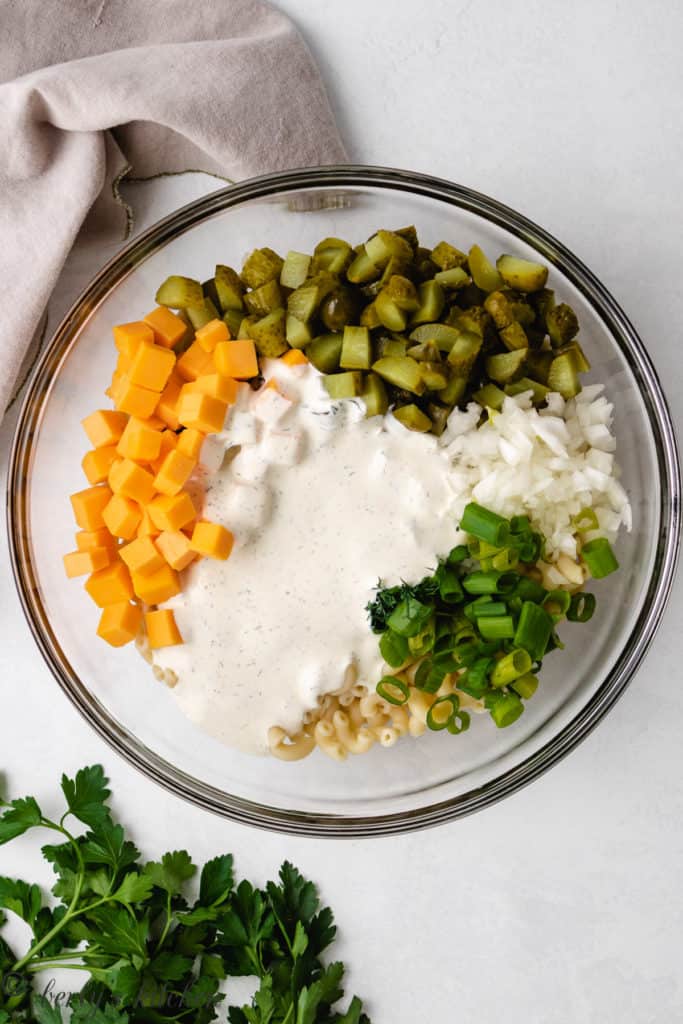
(416, 783)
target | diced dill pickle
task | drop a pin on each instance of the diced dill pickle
(441, 334)
(396, 265)
(446, 256)
(210, 292)
(425, 352)
(454, 390)
(304, 301)
(490, 396)
(229, 288)
(374, 394)
(356, 353)
(295, 269)
(298, 333)
(483, 272)
(179, 292)
(539, 391)
(499, 309)
(261, 266)
(506, 366)
(391, 347)
(333, 255)
(465, 350)
(438, 414)
(233, 319)
(268, 334)
(362, 268)
(522, 274)
(562, 324)
(385, 244)
(513, 336)
(580, 361)
(369, 318)
(543, 302)
(430, 294)
(410, 235)
(344, 385)
(434, 375)
(424, 266)
(246, 324)
(539, 363)
(454, 277)
(470, 295)
(264, 299)
(474, 319)
(563, 375)
(324, 352)
(339, 308)
(402, 372)
(413, 418)
(395, 301)
(522, 312)
(203, 313)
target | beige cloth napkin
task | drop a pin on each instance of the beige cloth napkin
(96, 89)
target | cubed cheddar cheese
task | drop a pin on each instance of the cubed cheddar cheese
(110, 585)
(132, 481)
(104, 427)
(127, 337)
(295, 357)
(190, 442)
(174, 473)
(236, 358)
(120, 623)
(97, 463)
(167, 407)
(172, 513)
(158, 587)
(88, 540)
(122, 517)
(123, 364)
(169, 440)
(82, 563)
(161, 629)
(194, 362)
(175, 546)
(88, 506)
(212, 540)
(142, 557)
(139, 441)
(146, 527)
(218, 386)
(210, 334)
(168, 328)
(151, 366)
(133, 399)
(201, 412)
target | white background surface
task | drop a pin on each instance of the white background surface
(562, 904)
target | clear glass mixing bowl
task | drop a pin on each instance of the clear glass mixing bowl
(416, 783)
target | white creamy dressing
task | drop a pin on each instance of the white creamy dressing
(322, 503)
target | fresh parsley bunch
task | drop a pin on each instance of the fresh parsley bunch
(152, 955)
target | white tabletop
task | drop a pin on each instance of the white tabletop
(561, 904)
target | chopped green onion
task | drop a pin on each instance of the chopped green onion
(449, 706)
(581, 607)
(557, 603)
(520, 524)
(481, 549)
(554, 644)
(533, 629)
(393, 690)
(506, 710)
(490, 582)
(450, 589)
(484, 524)
(409, 617)
(488, 609)
(429, 676)
(393, 648)
(423, 642)
(471, 609)
(506, 559)
(457, 555)
(530, 550)
(496, 628)
(460, 722)
(515, 664)
(529, 590)
(525, 685)
(475, 679)
(599, 557)
(586, 520)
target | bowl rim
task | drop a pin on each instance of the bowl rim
(323, 824)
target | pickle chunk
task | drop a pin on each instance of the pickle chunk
(522, 274)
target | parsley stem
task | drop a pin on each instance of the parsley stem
(164, 933)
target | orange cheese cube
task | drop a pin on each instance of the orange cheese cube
(295, 357)
(218, 386)
(155, 422)
(116, 379)
(168, 328)
(141, 557)
(97, 463)
(190, 442)
(210, 334)
(139, 441)
(174, 473)
(169, 441)
(167, 406)
(110, 585)
(236, 358)
(212, 540)
(161, 628)
(82, 563)
(194, 362)
(131, 481)
(202, 412)
(133, 399)
(127, 337)
(122, 517)
(88, 506)
(174, 545)
(158, 587)
(104, 427)
(88, 540)
(151, 367)
(172, 513)
(120, 623)
(147, 527)
(123, 364)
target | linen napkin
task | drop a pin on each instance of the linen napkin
(94, 90)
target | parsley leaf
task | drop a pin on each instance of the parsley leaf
(19, 818)
(172, 872)
(134, 888)
(44, 1011)
(216, 880)
(22, 899)
(87, 796)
